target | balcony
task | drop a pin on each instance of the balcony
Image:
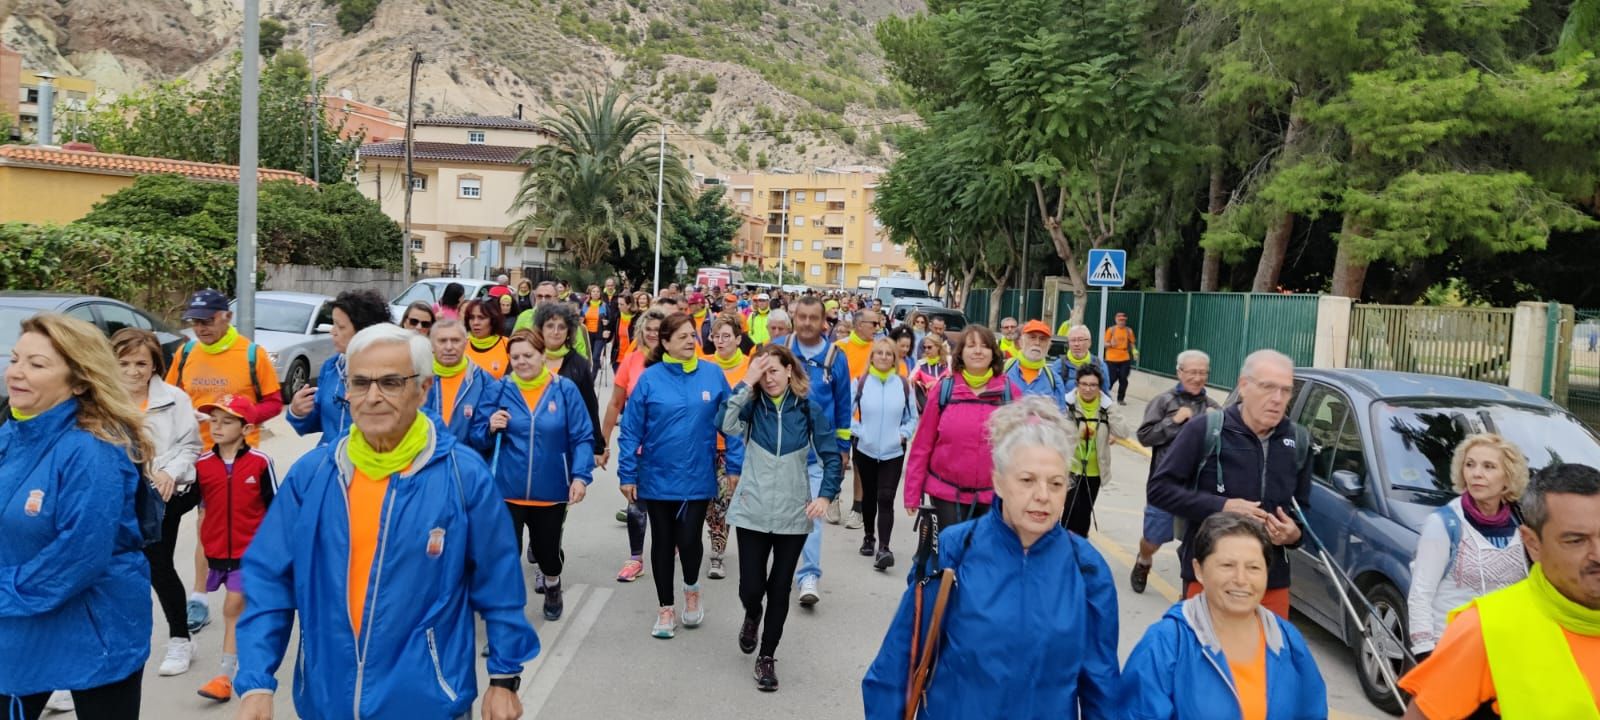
(838, 231)
(775, 229)
(833, 220)
(833, 254)
(836, 206)
(775, 201)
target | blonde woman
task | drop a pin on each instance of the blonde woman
(74, 583)
(1469, 547)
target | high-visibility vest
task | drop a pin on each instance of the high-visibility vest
(1535, 675)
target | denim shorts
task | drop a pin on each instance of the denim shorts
(1157, 525)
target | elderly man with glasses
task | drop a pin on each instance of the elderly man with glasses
(385, 545)
(1167, 414)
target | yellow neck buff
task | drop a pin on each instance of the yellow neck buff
(484, 343)
(377, 465)
(977, 382)
(538, 381)
(223, 343)
(687, 365)
(449, 371)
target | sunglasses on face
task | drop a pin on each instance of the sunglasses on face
(418, 323)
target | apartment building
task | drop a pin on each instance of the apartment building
(819, 226)
(72, 100)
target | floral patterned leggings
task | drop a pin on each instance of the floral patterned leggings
(717, 514)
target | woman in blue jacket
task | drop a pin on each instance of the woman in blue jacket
(323, 408)
(1220, 654)
(74, 583)
(544, 454)
(667, 454)
(1030, 632)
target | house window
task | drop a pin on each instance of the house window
(470, 188)
(799, 245)
(799, 221)
(816, 270)
(875, 272)
(416, 244)
(822, 196)
(419, 183)
(877, 247)
(816, 244)
(744, 196)
(800, 196)
(476, 137)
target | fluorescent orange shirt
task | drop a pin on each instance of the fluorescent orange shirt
(531, 399)
(591, 316)
(1455, 680)
(860, 357)
(1250, 681)
(628, 372)
(1029, 375)
(734, 375)
(206, 378)
(449, 387)
(496, 361)
(1119, 344)
(366, 507)
(624, 325)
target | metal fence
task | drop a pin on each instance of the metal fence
(1471, 343)
(1583, 367)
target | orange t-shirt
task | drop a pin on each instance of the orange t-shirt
(1250, 682)
(1029, 375)
(531, 399)
(366, 510)
(207, 377)
(624, 325)
(628, 372)
(496, 361)
(859, 356)
(591, 316)
(449, 387)
(734, 375)
(1119, 344)
(1443, 686)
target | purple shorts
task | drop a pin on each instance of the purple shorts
(232, 579)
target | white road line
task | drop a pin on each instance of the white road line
(551, 664)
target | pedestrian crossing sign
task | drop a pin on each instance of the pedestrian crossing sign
(1108, 268)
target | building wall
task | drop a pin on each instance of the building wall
(10, 85)
(71, 94)
(378, 124)
(828, 241)
(514, 138)
(36, 195)
(439, 215)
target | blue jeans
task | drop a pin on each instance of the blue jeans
(811, 555)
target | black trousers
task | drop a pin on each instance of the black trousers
(758, 581)
(170, 589)
(112, 701)
(1119, 374)
(880, 482)
(597, 351)
(676, 526)
(544, 525)
(637, 522)
(1079, 513)
(950, 513)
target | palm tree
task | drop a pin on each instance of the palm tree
(595, 185)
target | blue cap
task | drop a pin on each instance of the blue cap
(202, 305)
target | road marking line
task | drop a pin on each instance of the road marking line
(1124, 558)
(552, 664)
(1133, 445)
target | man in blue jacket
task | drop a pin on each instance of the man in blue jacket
(830, 387)
(460, 387)
(1253, 466)
(384, 545)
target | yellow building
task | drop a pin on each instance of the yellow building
(820, 227)
(72, 98)
(58, 185)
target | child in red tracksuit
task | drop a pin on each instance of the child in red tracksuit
(236, 484)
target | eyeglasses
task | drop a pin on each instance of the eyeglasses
(1007, 328)
(208, 321)
(418, 323)
(544, 298)
(389, 385)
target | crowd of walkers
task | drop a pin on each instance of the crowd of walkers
(453, 445)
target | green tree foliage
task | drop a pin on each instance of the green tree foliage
(595, 185)
(148, 270)
(355, 14)
(272, 32)
(184, 121)
(702, 231)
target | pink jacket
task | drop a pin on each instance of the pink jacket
(950, 455)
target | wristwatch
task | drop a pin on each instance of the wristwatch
(510, 683)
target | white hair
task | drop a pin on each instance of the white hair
(390, 334)
(1184, 358)
(780, 315)
(1032, 421)
(1076, 328)
(1267, 355)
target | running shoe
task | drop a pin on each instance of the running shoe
(766, 674)
(747, 634)
(853, 520)
(199, 615)
(716, 572)
(1139, 577)
(552, 602)
(631, 570)
(538, 579)
(180, 652)
(693, 613)
(219, 689)
(622, 515)
(666, 624)
(808, 591)
(832, 515)
(60, 701)
(885, 560)
(869, 544)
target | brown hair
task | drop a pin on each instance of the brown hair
(528, 336)
(130, 340)
(105, 409)
(799, 378)
(728, 319)
(490, 310)
(997, 361)
(668, 327)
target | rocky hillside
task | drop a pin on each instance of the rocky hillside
(779, 83)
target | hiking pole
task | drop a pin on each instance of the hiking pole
(1337, 572)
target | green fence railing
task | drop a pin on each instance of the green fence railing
(1471, 343)
(1583, 368)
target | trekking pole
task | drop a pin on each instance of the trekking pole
(1337, 572)
(494, 462)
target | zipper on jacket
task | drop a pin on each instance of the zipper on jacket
(438, 671)
(229, 514)
(1226, 679)
(533, 422)
(366, 625)
(1266, 447)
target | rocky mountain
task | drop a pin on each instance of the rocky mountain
(743, 83)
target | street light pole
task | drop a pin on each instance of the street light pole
(661, 177)
(316, 106)
(249, 101)
(783, 239)
(411, 106)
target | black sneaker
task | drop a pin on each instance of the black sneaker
(747, 635)
(1139, 577)
(766, 674)
(885, 560)
(868, 546)
(553, 604)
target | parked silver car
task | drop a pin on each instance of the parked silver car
(293, 328)
(429, 290)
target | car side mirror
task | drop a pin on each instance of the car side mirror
(1347, 483)
(324, 328)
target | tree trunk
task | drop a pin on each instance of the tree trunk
(1164, 273)
(997, 299)
(1080, 302)
(1211, 265)
(1275, 246)
(1349, 269)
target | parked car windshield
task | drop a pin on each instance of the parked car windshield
(1419, 438)
(281, 316)
(11, 326)
(906, 292)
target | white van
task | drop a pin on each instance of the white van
(900, 285)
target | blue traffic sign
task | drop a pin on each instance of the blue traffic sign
(1108, 268)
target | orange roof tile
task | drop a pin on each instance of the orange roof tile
(133, 164)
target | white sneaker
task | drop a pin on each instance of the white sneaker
(180, 653)
(853, 520)
(832, 514)
(60, 701)
(808, 591)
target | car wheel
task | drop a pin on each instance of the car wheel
(1390, 615)
(299, 375)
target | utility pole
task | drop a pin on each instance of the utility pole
(316, 107)
(411, 106)
(783, 238)
(244, 265)
(661, 177)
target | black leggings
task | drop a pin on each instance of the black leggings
(637, 522)
(170, 590)
(597, 351)
(1119, 374)
(758, 582)
(675, 525)
(112, 701)
(950, 513)
(1080, 504)
(544, 526)
(880, 479)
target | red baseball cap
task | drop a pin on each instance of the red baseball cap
(238, 406)
(697, 297)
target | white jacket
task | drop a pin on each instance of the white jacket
(1117, 425)
(1480, 568)
(174, 431)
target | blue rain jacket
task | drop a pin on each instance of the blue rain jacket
(445, 551)
(74, 586)
(1047, 384)
(1028, 635)
(330, 414)
(830, 385)
(559, 433)
(668, 444)
(1178, 671)
(475, 388)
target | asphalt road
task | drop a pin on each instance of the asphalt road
(599, 660)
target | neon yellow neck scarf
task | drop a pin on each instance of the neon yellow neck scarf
(700, 314)
(729, 363)
(1077, 361)
(223, 343)
(449, 371)
(687, 365)
(1568, 614)
(627, 317)
(538, 381)
(378, 465)
(881, 375)
(977, 382)
(558, 353)
(20, 416)
(857, 341)
(1031, 365)
(484, 343)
